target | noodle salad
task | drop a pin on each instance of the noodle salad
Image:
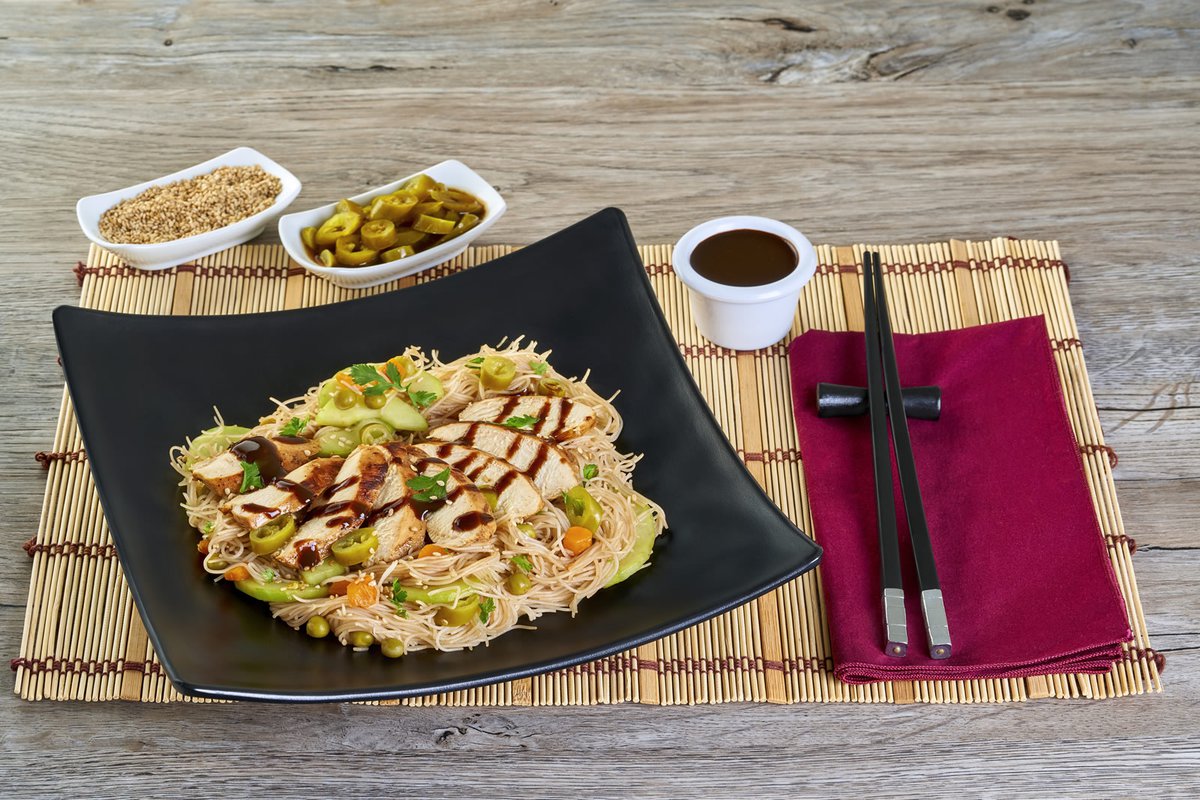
(417, 504)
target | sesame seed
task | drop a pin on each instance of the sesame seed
(190, 207)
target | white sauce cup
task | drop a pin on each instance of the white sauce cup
(744, 317)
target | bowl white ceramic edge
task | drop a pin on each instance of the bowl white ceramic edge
(451, 172)
(163, 255)
(806, 265)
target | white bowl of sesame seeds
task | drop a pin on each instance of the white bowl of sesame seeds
(188, 214)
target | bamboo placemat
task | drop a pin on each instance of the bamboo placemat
(83, 638)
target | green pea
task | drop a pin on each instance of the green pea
(317, 627)
(273, 535)
(344, 398)
(356, 546)
(375, 401)
(519, 583)
(526, 528)
(360, 639)
(392, 648)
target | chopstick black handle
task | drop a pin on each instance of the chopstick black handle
(892, 597)
(932, 603)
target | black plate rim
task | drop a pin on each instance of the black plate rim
(488, 677)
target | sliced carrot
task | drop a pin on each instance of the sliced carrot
(577, 539)
(345, 380)
(362, 593)
(202, 546)
(238, 573)
(431, 550)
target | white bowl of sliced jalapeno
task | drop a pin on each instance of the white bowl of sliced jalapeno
(394, 230)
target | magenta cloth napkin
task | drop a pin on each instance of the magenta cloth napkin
(1025, 573)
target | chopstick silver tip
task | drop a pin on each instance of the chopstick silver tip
(936, 625)
(895, 623)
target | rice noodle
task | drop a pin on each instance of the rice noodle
(560, 581)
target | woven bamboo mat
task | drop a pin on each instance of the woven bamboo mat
(83, 638)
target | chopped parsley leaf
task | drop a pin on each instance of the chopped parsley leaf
(399, 596)
(294, 426)
(521, 422)
(422, 399)
(475, 362)
(486, 608)
(522, 563)
(375, 382)
(251, 477)
(427, 488)
(539, 367)
(268, 576)
(590, 471)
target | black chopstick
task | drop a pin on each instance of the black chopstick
(894, 620)
(933, 606)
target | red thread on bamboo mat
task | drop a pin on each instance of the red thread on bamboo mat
(1088, 449)
(45, 458)
(779, 454)
(93, 550)
(81, 666)
(1135, 654)
(658, 269)
(200, 270)
(1115, 539)
(1058, 345)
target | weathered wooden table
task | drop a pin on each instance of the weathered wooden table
(854, 120)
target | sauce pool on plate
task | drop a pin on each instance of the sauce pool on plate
(744, 258)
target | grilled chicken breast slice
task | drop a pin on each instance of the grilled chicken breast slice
(465, 517)
(546, 465)
(397, 524)
(516, 496)
(557, 417)
(290, 494)
(223, 473)
(357, 487)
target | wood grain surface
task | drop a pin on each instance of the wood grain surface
(855, 121)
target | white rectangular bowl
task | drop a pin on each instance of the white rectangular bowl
(455, 174)
(164, 255)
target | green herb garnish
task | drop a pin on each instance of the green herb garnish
(294, 426)
(427, 488)
(399, 597)
(375, 382)
(522, 563)
(539, 367)
(590, 471)
(486, 608)
(520, 422)
(475, 362)
(268, 576)
(421, 399)
(251, 477)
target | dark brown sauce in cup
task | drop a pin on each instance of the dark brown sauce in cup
(744, 258)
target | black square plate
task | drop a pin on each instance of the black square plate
(142, 383)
